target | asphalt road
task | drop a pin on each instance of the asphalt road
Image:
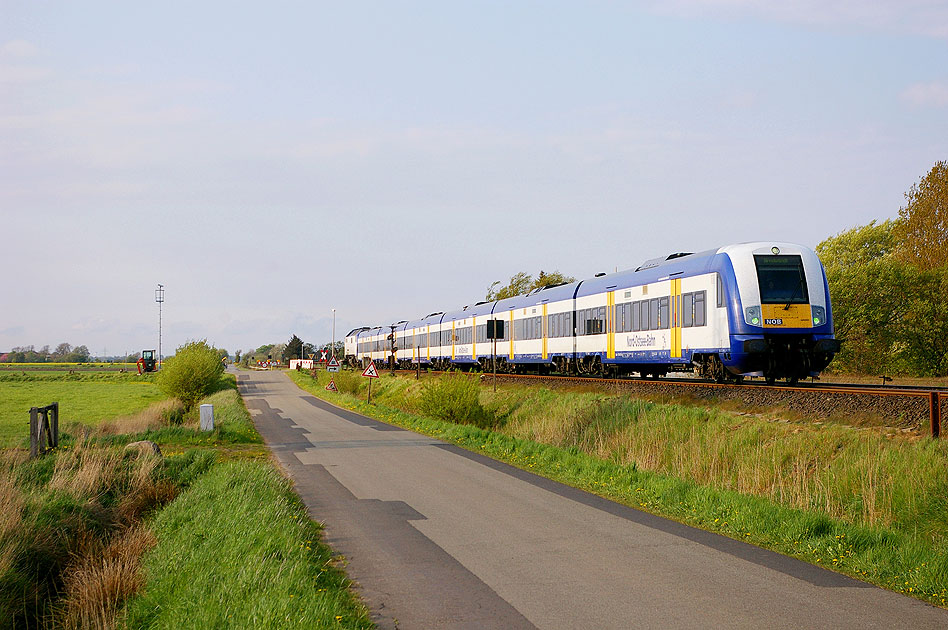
(438, 537)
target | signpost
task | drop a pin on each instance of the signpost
(370, 373)
(495, 331)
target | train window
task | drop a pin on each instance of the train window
(687, 310)
(720, 289)
(653, 314)
(700, 318)
(781, 280)
(663, 318)
(636, 318)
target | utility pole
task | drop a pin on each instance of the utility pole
(160, 298)
(333, 347)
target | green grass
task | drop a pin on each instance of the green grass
(83, 398)
(238, 550)
(852, 500)
(235, 549)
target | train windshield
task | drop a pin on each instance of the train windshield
(781, 280)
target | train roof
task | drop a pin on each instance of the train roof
(474, 310)
(543, 295)
(652, 270)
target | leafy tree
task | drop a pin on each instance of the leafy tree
(891, 315)
(61, 351)
(293, 348)
(79, 354)
(865, 283)
(522, 283)
(192, 373)
(923, 229)
(237, 356)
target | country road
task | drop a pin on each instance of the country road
(438, 537)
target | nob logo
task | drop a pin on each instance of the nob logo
(773, 322)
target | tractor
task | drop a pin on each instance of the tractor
(147, 363)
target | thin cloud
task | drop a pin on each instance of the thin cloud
(918, 17)
(934, 94)
(18, 49)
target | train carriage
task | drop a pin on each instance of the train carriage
(758, 309)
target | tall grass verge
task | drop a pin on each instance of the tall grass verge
(62, 512)
(854, 500)
(455, 398)
(243, 521)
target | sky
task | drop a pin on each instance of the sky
(267, 163)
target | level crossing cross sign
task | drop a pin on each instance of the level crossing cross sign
(322, 356)
(370, 371)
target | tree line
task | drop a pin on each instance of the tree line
(889, 286)
(63, 353)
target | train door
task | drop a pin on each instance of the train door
(675, 316)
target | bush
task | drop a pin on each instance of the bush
(192, 373)
(455, 398)
(349, 382)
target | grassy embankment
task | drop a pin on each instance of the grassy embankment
(858, 501)
(92, 534)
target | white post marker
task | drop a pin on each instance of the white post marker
(370, 372)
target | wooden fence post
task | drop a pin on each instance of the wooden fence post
(54, 408)
(34, 431)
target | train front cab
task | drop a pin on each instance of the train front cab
(779, 311)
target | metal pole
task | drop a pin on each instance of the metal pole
(160, 298)
(333, 333)
(934, 409)
(494, 358)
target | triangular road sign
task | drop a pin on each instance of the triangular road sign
(332, 386)
(370, 371)
(333, 362)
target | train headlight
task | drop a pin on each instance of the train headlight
(752, 315)
(775, 250)
(819, 315)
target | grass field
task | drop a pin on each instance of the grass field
(224, 541)
(88, 399)
(854, 500)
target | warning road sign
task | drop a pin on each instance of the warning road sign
(332, 386)
(322, 355)
(370, 371)
(333, 365)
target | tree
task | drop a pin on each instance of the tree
(923, 229)
(61, 350)
(522, 283)
(890, 314)
(79, 354)
(237, 356)
(293, 349)
(867, 293)
(192, 373)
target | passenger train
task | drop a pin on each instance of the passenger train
(752, 309)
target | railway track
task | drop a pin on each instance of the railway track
(907, 408)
